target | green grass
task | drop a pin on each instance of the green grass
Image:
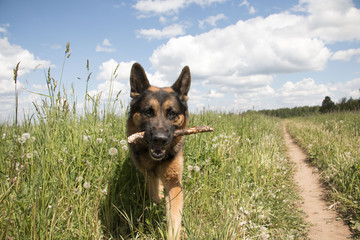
(332, 142)
(61, 181)
(61, 177)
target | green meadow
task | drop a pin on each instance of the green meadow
(66, 174)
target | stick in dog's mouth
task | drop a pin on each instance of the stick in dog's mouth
(180, 132)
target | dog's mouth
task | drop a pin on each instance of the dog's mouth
(157, 153)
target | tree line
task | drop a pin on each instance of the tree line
(327, 106)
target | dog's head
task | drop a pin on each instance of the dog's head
(158, 111)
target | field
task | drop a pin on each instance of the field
(332, 142)
(66, 174)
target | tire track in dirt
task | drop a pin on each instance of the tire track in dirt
(323, 221)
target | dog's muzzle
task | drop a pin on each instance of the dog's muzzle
(157, 144)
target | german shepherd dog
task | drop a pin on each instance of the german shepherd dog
(159, 155)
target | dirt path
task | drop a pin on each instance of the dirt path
(323, 221)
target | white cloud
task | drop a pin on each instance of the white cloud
(3, 28)
(247, 55)
(345, 55)
(242, 59)
(306, 92)
(247, 48)
(105, 46)
(331, 21)
(119, 80)
(106, 42)
(345, 89)
(10, 55)
(107, 69)
(250, 7)
(149, 7)
(39, 87)
(214, 94)
(114, 77)
(167, 32)
(211, 20)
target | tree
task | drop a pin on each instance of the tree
(327, 105)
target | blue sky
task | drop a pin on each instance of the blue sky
(243, 54)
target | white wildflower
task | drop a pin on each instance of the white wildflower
(26, 135)
(21, 140)
(215, 145)
(49, 206)
(79, 179)
(86, 185)
(123, 142)
(4, 136)
(32, 139)
(85, 138)
(190, 168)
(113, 151)
(242, 223)
(125, 147)
(197, 169)
(29, 155)
(104, 191)
(99, 140)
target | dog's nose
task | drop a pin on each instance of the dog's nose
(160, 139)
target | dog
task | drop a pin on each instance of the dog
(159, 155)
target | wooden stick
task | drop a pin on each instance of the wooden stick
(180, 132)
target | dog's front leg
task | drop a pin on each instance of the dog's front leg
(174, 198)
(174, 206)
(154, 187)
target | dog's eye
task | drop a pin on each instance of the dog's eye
(171, 114)
(149, 112)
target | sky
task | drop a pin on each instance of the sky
(242, 54)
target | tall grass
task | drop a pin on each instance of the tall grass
(332, 142)
(66, 175)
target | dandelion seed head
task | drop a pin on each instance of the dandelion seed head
(190, 168)
(79, 179)
(113, 151)
(21, 140)
(99, 140)
(86, 185)
(125, 148)
(85, 138)
(197, 169)
(26, 135)
(123, 142)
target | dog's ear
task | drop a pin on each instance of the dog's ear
(138, 80)
(182, 85)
